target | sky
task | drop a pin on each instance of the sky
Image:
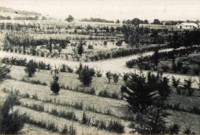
(111, 9)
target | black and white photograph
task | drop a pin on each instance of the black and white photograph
(100, 67)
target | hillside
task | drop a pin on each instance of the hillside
(11, 13)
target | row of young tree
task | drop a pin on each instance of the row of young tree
(25, 40)
(136, 36)
(147, 61)
(184, 38)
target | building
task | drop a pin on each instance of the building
(187, 26)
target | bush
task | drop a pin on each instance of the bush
(115, 78)
(63, 68)
(70, 70)
(99, 74)
(55, 87)
(196, 70)
(104, 93)
(188, 86)
(4, 70)
(165, 68)
(185, 69)
(85, 76)
(11, 122)
(85, 119)
(68, 130)
(146, 96)
(42, 65)
(187, 131)
(31, 68)
(90, 47)
(174, 129)
(115, 126)
(176, 83)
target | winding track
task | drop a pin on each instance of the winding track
(114, 65)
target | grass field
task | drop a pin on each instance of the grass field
(36, 100)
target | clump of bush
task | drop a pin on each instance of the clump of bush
(115, 127)
(55, 87)
(10, 121)
(30, 68)
(68, 130)
(105, 93)
(86, 75)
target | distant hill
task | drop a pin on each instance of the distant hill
(26, 13)
(9, 13)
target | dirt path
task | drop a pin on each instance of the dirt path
(114, 65)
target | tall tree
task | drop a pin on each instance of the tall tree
(70, 18)
(146, 97)
(80, 48)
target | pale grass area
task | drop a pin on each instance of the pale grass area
(78, 113)
(33, 130)
(185, 120)
(60, 122)
(185, 101)
(67, 79)
(117, 107)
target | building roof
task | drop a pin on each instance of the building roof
(189, 24)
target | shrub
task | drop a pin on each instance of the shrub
(31, 68)
(125, 77)
(196, 70)
(52, 127)
(42, 65)
(179, 65)
(99, 74)
(155, 57)
(90, 47)
(85, 76)
(165, 68)
(137, 93)
(115, 78)
(68, 115)
(4, 70)
(80, 48)
(11, 122)
(63, 68)
(185, 69)
(100, 124)
(114, 95)
(176, 83)
(144, 66)
(42, 54)
(174, 129)
(104, 93)
(146, 96)
(188, 86)
(55, 87)
(85, 119)
(33, 51)
(68, 130)
(175, 68)
(115, 126)
(70, 70)
(187, 131)
(78, 105)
